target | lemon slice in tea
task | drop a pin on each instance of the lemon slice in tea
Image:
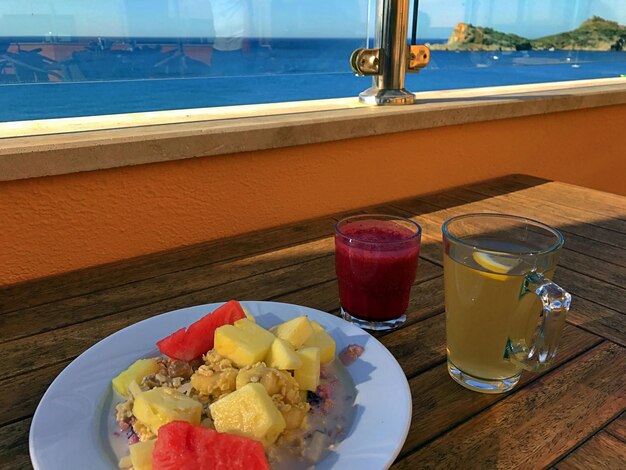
(497, 266)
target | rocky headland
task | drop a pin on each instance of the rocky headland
(595, 34)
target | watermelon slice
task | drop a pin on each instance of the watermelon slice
(190, 343)
(185, 446)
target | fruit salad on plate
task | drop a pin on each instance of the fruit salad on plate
(229, 394)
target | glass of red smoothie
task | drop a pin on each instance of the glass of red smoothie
(376, 263)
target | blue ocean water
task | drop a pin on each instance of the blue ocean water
(285, 70)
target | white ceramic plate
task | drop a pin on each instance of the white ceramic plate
(73, 425)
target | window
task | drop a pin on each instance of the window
(477, 43)
(62, 58)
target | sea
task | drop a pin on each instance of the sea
(106, 81)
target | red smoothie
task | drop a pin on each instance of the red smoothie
(376, 264)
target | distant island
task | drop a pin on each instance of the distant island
(595, 34)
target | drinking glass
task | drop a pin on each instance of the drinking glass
(503, 313)
(376, 262)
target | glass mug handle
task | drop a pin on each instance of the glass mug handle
(555, 303)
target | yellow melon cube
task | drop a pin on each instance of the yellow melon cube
(243, 346)
(141, 454)
(321, 339)
(282, 356)
(308, 375)
(137, 371)
(249, 412)
(296, 331)
(159, 406)
(252, 328)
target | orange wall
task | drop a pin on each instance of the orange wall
(55, 224)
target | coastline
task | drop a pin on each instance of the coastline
(594, 34)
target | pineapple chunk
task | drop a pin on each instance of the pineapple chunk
(159, 406)
(308, 376)
(253, 329)
(321, 339)
(134, 389)
(296, 331)
(248, 314)
(249, 412)
(125, 462)
(137, 371)
(244, 346)
(141, 454)
(316, 326)
(282, 356)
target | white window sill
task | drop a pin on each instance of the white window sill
(59, 146)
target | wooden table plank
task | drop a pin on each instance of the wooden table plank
(592, 267)
(19, 396)
(601, 451)
(420, 346)
(479, 202)
(596, 195)
(535, 426)
(323, 296)
(439, 403)
(563, 194)
(582, 212)
(569, 221)
(600, 320)
(618, 427)
(591, 289)
(14, 446)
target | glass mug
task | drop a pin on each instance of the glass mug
(503, 313)
(376, 263)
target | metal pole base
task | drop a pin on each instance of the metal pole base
(374, 95)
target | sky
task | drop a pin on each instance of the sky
(289, 18)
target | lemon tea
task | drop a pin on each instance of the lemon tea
(492, 310)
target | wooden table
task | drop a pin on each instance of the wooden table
(572, 416)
